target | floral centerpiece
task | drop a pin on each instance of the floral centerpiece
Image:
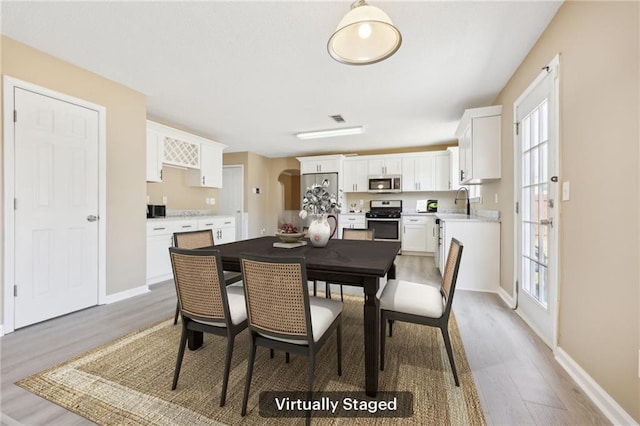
(318, 201)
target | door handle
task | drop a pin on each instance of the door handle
(547, 222)
(92, 218)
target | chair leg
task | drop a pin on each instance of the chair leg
(286, 357)
(383, 332)
(327, 290)
(247, 383)
(227, 368)
(310, 368)
(315, 288)
(447, 344)
(341, 295)
(175, 319)
(183, 343)
(339, 349)
(390, 328)
(271, 353)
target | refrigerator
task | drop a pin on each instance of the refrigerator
(307, 180)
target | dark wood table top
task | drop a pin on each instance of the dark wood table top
(357, 257)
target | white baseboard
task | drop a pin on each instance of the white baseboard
(599, 396)
(506, 297)
(111, 298)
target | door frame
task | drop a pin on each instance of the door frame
(9, 86)
(554, 273)
(243, 215)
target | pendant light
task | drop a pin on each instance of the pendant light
(364, 36)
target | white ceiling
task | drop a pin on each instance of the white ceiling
(252, 74)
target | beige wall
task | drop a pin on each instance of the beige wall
(126, 115)
(599, 301)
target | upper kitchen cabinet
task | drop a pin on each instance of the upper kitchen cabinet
(209, 175)
(355, 174)
(454, 168)
(418, 172)
(200, 156)
(385, 166)
(155, 155)
(442, 172)
(479, 145)
(320, 164)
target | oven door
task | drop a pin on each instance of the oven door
(385, 229)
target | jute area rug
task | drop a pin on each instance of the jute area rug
(128, 381)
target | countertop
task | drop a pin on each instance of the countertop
(460, 217)
(191, 217)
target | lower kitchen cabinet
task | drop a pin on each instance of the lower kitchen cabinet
(480, 263)
(419, 234)
(160, 238)
(353, 221)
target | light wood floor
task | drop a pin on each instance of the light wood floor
(518, 380)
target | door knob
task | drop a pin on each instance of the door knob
(92, 218)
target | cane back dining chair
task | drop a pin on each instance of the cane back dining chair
(420, 303)
(206, 303)
(197, 240)
(282, 315)
(350, 234)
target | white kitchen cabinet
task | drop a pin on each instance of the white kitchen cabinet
(414, 234)
(419, 234)
(385, 166)
(320, 164)
(479, 145)
(355, 175)
(480, 263)
(353, 221)
(159, 239)
(155, 147)
(442, 174)
(223, 228)
(454, 168)
(418, 172)
(209, 175)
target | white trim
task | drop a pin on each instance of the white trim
(614, 412)
(9, 85)
(554, 66)
(507, 298)
(111, 298)
(535, 329)
(244, 216)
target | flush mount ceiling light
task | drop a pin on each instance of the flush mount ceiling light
(343, 131)
(364, 36)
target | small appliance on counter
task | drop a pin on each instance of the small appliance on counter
(155, 210)
(426, 206)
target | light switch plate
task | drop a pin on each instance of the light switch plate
(566, 195)
(164, 200)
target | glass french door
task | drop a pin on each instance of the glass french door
(536, 177)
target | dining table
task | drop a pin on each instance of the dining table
(351, 262)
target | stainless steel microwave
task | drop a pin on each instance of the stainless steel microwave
(384, 184)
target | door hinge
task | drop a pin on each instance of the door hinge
(517, 207)
(15, 116)
(15, 291)
(517, 128)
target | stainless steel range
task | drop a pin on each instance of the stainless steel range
(384, 218)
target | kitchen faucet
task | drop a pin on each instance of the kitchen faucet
(468, 202)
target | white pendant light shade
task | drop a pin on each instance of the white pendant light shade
(364, 36)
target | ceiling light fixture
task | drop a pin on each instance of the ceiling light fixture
(343, 131)
(364, 36)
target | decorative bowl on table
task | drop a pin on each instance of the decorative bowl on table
(289, 237)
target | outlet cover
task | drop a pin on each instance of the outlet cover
(164, 199)
(212, 201)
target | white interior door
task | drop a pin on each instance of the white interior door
(56, 207)
(232, 195)
(537, 219)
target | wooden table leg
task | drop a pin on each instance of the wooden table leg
(371, 336)
(194, 339)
